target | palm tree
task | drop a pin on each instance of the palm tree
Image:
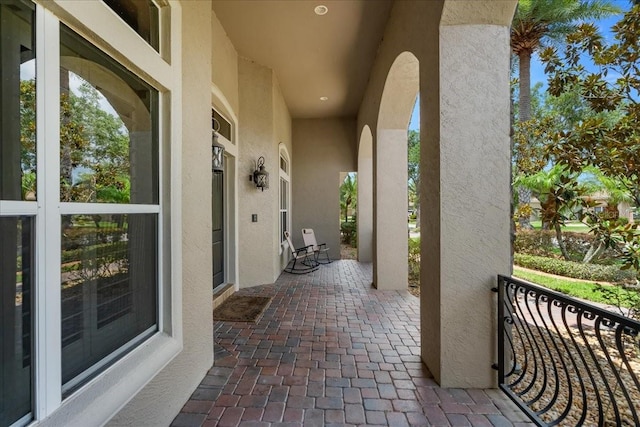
(560, 194)
(540, 22)
(348, 195)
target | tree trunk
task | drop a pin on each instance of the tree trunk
(525, 86)
(561, 244)
(524, 198)
(593, 252)
(524, 101)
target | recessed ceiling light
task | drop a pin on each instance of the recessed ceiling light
(321, 10)
(323, 98)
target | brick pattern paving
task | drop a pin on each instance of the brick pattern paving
(332, 351)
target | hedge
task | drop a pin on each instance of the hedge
(544, 243)
(576, 270)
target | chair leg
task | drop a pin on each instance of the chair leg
(294, 270)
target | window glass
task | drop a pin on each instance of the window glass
(17, 182)
(283, 164)
(142, 16)
(108, 129)
(221, 125)
(284, 207)
(109, 291)
(16, 279)
(17, 101)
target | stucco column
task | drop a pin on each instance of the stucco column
(365, 198)
(391, 254)
(467, 175)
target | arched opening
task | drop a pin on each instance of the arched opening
(390, 173)
(365, 196)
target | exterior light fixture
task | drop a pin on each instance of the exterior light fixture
(217, 154)
(260, 176)
(323, 98)
(321, 9)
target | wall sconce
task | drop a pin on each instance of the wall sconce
(217, 154)
(260, 176)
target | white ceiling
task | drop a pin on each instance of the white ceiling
(312, 56)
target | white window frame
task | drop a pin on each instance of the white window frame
(284, 175)
(97, 400)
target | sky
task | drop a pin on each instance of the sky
(537, 68)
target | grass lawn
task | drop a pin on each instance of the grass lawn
(584, 290)
(575, 226)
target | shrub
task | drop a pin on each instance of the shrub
(414, 260)
(604, 273)
(349, 232)
(534, 242)
(544, 243)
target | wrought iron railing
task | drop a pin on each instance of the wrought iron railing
(566, 362)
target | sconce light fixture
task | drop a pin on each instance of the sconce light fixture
(260, 176)
(217, 154)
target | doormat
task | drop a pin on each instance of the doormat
(241, 308)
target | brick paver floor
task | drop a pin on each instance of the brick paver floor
(332, 351)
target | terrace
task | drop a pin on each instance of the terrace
(332, 350)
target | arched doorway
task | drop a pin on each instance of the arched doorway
(365, 196)
(390, 173)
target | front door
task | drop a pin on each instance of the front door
(217, 202)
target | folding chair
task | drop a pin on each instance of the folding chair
(309, 238)
(307, 262)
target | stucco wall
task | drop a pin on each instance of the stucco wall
(161, 399)
(225, 64)
(264, 123)
(322, 149)
(255, 140)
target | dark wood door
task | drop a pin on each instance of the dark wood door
(217, 202)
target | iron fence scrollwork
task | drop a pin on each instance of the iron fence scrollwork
(566, 362)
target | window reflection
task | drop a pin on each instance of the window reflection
(108, 276)
(16, 279)
(108, 142)
(141, 15)
(17, 102)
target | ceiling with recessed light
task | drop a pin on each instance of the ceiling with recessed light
(313, 56)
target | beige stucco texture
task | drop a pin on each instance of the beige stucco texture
(322, 149)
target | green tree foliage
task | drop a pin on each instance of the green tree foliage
(561, 198)
(104, 142)
(94, 147)
(348, 195)
(28, 136)
(413, 165)
(612, 146)
(538, 23)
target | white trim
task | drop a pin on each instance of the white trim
(14, 208)
(96, 21)
(48, 308)
(97, 401)
(221, 101)
(284, 153)
(106, 208)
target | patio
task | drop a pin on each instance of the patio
(331, 350)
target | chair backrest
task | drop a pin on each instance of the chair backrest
(309, 237)
(287, 236)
